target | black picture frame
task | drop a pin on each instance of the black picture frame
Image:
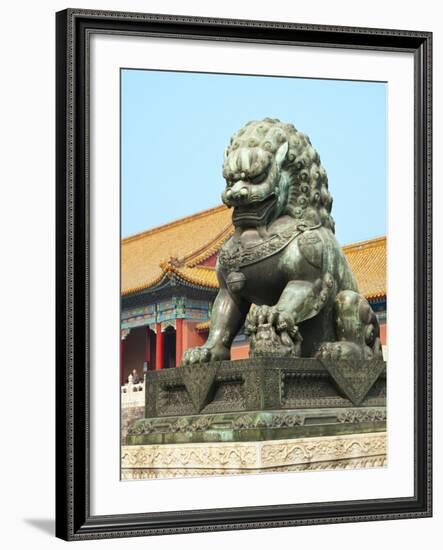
(73, 518)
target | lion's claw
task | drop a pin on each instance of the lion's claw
(204, 354)
(196, 355)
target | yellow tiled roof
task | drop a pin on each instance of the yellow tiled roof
(201, 275)
(181, 244)
(176, 249)
(203, 327)
(368, 262)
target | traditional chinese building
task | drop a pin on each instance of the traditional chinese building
(168, 285)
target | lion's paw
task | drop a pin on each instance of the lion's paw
(203, 354)
(270, 315)
(196, 355)
(341, 351)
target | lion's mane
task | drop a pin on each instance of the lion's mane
(308, 195)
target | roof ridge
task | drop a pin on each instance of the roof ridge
(368, 243)
(174, 223)
(207, 250)
(198, 266)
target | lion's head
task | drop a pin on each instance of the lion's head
(272, 170)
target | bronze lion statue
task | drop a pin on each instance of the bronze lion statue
(283, 274)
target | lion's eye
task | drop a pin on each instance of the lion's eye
(259, 178)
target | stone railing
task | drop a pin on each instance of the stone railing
(133, 395)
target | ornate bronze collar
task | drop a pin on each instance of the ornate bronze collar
(239, 257)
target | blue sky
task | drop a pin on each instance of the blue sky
(176, 126)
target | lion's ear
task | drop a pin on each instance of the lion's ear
(281, 153)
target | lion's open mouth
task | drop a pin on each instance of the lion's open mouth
(254, 213)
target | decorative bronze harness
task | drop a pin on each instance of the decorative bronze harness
(240, 257)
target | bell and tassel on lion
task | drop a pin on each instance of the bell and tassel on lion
(283, 274)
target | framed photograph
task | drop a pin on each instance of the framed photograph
(243, 274)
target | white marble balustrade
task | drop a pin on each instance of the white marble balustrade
(132, 395)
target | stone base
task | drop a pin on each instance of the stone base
(366, 450)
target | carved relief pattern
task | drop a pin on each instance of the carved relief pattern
(248, 421)
(206, 422)
(355, 378)
(227, 456)
(228, 395)
(318, 403)
(356, 415)
(150, 398)
(140, 428)
(231, 392)
(305, 384)
(346, 464)
(253, 380)
(272, 389)
(316, 453)
(174, 400)
(328, 448)
(198, 380)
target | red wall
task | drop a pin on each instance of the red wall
(211, 261)
(192, 338)
(134, 352)
(240, 352)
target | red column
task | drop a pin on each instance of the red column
(178, 341)
(148, 348)
(122, 363)
(152, 349)
(159, 347)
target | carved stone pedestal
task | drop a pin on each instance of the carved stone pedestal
(264, 384)
(304, 454)
(263, 414)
